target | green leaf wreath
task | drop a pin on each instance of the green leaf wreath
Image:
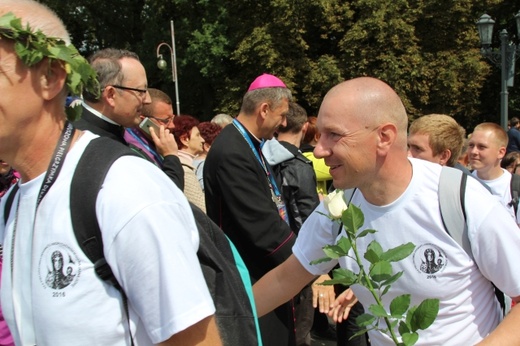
(33, 46)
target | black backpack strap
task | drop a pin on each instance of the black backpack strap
(515, 191)
(87, 180)
(9, 202)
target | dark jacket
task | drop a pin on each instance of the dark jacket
(513, 143)
(297, 179)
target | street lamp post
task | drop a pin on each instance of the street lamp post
(162, 64)
(504, 58)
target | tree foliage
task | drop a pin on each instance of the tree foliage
(429, 51)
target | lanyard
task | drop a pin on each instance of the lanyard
(57, 162)
(258, 156)
(276, 196)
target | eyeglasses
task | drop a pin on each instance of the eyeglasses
(142, 92)
(163, 121)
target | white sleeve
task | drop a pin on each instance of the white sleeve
(151, 247)
(495, 239)
(316, 232)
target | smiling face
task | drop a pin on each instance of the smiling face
(275, 116)
(363, 126)
(346, 143)
(485, 152)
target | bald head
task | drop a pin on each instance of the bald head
(363, 139)
(38, 16)
(372, 102)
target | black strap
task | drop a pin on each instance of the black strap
(515, 191)
(88, 179)
(9, 202)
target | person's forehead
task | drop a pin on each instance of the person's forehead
(282, 105)
(336, 119)
(481, 135)
(162, 108)
(418, 137)
(133, 70)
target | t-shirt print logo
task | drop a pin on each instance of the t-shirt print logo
(429, 259)
(58, 267)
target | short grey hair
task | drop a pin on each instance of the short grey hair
(107, 64)
(273, 96)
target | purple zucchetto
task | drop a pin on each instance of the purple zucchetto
(266, 81)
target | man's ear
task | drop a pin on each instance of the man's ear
(304, 128)
(108, 94)
(387, 134)
(264, 107)
(444, 157)
(501, 152)
(52, 78)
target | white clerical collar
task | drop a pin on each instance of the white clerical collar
(98, 114)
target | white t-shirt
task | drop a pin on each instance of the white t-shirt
(53, 296)
(438, 267)
(501, 188)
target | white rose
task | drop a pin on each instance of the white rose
(335, 203)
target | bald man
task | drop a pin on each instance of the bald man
(364, 142)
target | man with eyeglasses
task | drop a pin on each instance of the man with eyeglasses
(161, 150)
(124, 94)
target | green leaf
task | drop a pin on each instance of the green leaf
(409, 339)
(381, 271)
(344, 276)
(374, 251)
(403, 328)
(7, 20)
(375, 284)
(425, 314)
(352, 219)
(409, 316)
(365, 320)
(344, 244)
(392, 279)
(359, 333)
(378, 311)
(320, 260)
(399, 305)
(333, 251)
(366, 232)
(398, 253)
(385, 291)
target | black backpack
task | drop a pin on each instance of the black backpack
(234, 313)
(515, 191)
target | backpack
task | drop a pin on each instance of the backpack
(515, 191)
(222, 268)
(452, 192)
